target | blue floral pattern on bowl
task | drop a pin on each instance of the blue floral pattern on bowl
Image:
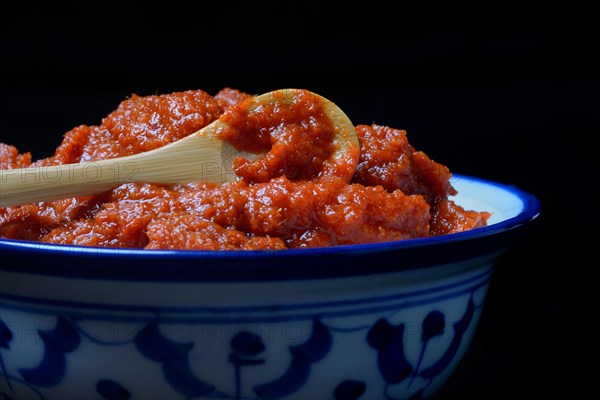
(65, 340)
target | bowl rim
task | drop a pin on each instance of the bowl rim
(210, 259)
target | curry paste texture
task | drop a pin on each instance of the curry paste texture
(292, 201)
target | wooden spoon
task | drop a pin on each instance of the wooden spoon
(201, 156)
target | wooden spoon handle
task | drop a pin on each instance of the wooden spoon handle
(194, 158)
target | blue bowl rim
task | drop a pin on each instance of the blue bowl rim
(240, 258)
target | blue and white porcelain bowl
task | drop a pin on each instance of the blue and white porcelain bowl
(373, 321)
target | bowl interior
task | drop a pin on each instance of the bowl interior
(502, 201)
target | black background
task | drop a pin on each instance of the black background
(502, 91)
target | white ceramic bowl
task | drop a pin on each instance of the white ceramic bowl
(373, 321)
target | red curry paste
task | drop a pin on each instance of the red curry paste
(300, 199)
